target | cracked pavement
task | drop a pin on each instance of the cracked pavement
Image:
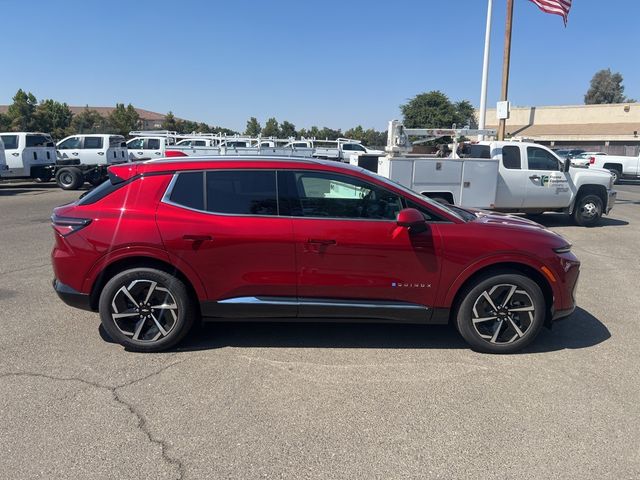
(245, 401)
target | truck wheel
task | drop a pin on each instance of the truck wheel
(616, 174)
(501, 312)
(588, 210)
(69, 178)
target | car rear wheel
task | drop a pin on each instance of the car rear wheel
(502, 313)
(588, 210)
(146, 310)
(616, 174)
(69, 178)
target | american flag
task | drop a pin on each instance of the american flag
(557, 7)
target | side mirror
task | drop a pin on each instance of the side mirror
(413, 220)
(567, 165)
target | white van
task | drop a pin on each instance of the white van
(83, 158)
(28, 155)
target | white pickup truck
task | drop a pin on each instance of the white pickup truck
(341, 149)
(28, 155)
(619, 166)
(501, 176)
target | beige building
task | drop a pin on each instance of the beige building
(149, 120)
(613, 128)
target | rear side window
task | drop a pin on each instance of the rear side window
(188, 190)
(511, 157)
(37, 141)
(10, 142)
(242, 192)
(117, 141)
(92, 143)
(153, 144)
(475, 151)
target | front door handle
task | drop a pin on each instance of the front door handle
(317, 241)
(197, 238)
(534, 177)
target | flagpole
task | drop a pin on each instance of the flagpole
(485, 71)
(505, 66)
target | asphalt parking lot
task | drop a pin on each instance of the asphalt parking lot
(318, 401)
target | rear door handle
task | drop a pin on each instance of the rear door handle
(197, 238)
(534, 177)
(317, 241)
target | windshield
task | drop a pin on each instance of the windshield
(451, 210)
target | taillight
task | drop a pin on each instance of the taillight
(592, 160)
(67, 225)
(175, 153)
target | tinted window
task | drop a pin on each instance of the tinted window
(153, 144)
(37, 141)
(117, 141)
(10, 142)
(475, 151)
(136, 143)
(188, 190)
(70, 143)
(511, 157)
(199, 143)
(101, 191)
(540, 159)
(242, 192)
(92, 143)
(318, 194)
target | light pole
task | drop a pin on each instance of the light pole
(485, 71)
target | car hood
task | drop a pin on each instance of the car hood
(504, 219)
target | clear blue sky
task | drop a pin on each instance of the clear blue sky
(330, 63)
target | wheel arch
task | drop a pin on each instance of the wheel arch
(464, 282)
(140, 261)
(599, 190)
(613, 166)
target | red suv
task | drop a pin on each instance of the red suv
(165, 243)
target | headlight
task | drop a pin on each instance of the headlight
(564, 249)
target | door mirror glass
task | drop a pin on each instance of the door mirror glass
(412, 219)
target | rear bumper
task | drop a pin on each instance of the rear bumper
(611, 200)
(72, 297)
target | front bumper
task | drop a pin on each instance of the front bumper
(611, 200)
(72, 297)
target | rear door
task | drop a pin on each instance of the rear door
(547, 185)
(225, 225)
(93, 151)
(512, 178)
(352, 258)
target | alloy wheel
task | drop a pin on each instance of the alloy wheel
(503, 314)
(144, 310)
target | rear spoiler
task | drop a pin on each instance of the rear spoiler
(121, 173)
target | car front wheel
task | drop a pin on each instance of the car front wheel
(146, 310)
(501, 313)
(588, 210)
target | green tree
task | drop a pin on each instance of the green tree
(466, 114)
(435, 110)
(54, 118)
(170, 122)
(374, 138)
(124, 119)
(271, 128)
(329, 133)
(5, 123)
(253, 127)
(21, 113)
(356, 133)
(606, 87)
(287, 129)
(89, 121)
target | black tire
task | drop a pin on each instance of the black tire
(176, 315)
(616, 174)
(70, 178)
(498, 334)
(588, 210)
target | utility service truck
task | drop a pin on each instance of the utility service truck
(502, 176)
(28, 155)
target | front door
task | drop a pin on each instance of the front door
(226, 227)
(69, 150)
(547, 185)
(352, 259)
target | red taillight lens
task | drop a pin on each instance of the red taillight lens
(592, 160)
(66, 225)
(174, 153)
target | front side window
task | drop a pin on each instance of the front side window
(136, 143)
(540, 159)
(10, 142)
(37, 141)
(242, 192)
(70, 143)
(92, 143)
(329, 195)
